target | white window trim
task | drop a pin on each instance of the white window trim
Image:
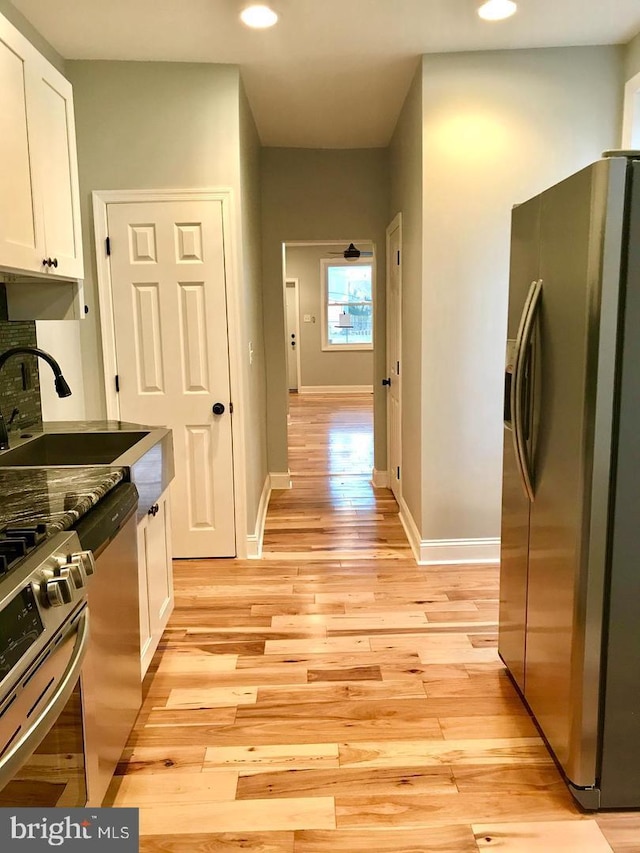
(631, 125)
(337, 262)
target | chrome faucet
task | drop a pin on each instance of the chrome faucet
(62, 388)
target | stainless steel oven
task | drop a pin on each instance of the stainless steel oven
(44, 630)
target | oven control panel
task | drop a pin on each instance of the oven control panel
(20, 627)
(45, 590)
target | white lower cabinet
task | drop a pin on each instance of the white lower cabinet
(155, 577)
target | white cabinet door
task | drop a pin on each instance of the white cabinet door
(146, 633)
(58, 172)
(39, 198)
(159, 570)
(155, 578)
(21, 231)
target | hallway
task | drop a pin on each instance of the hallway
(337, 698)
(333, 512)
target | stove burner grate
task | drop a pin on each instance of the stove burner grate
(17, 542)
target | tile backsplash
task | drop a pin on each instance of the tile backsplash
(19, 378)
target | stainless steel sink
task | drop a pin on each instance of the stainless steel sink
(145, 452)
(81, 448)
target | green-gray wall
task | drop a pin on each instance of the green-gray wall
(498, 127)
(147, 125)
(156, 125)
(318, 367)
(252, 310)
(311, 195)
(406, 198)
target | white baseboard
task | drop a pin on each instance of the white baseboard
(335, 389)
(470, 552)
(280, 480)
(410, 528)
(446, 552)
(254, 540)
(380, 479)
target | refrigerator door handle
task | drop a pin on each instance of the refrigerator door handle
(518, 387)
(510, 380)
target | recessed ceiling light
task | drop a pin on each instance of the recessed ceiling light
(497, 10)
(258, 16)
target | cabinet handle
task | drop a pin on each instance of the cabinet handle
(154, 510)
(50, 262)
(54, 262)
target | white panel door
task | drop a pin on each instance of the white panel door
(394, 358)
(170, 314)
(293, 334)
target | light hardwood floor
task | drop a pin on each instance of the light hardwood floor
(337, 698)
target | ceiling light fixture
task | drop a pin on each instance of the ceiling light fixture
(258, 16)
(497, 10)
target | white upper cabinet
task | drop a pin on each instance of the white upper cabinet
(39, 200)
(21, 231)
(55, 136)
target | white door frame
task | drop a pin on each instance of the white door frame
(396, 222)
(631, 123)
(296, 287)
(102, 198)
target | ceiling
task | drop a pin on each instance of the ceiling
(332, 73)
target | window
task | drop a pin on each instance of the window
(347, 315)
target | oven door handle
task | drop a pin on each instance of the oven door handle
(24, 747)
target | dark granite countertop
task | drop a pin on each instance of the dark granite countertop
(51, 490)
(149, 463)
(57, 497)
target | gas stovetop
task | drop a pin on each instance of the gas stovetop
(17, 542)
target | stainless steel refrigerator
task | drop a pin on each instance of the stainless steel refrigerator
(570, 554)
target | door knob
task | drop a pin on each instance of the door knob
(218, 408)
(386, 382)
